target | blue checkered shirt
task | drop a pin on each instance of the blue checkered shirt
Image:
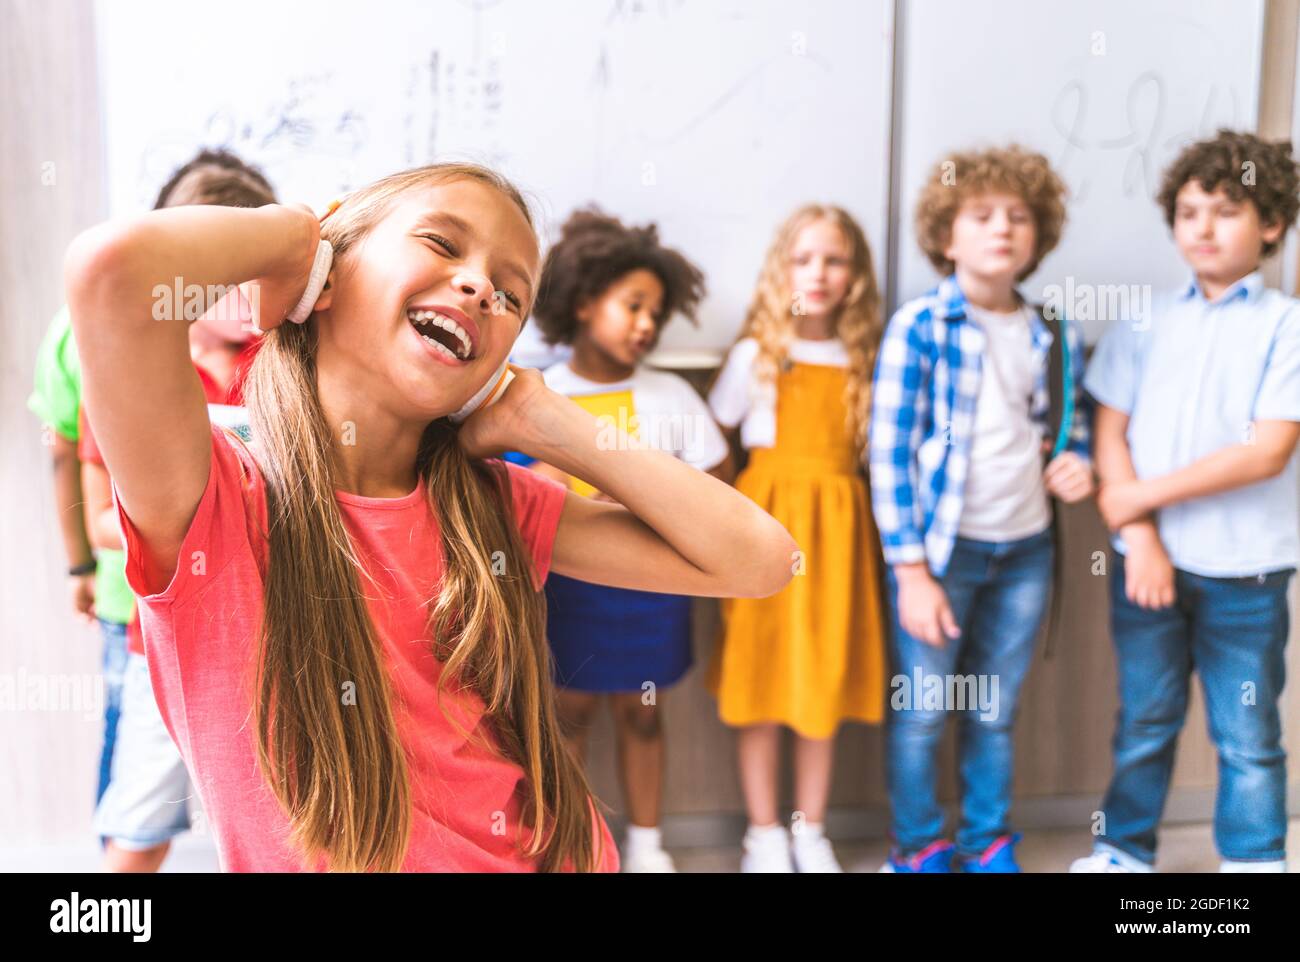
(927, 382)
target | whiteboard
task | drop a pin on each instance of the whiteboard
(713, 118)
(1108, 90)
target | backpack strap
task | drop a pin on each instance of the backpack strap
(1060, 384)
(1060, 416)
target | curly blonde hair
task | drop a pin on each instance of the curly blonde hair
(859, 325)
(1013, 170)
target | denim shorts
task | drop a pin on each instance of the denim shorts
(149, 789)
(114, 666)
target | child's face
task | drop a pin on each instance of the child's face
(623, 322)
(1222, 239)
(821, 268)
(461, 250)
(993, 236)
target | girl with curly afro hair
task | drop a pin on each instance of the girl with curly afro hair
(607, 290)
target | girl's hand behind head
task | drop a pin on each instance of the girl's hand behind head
(272, 296)
(513, 421)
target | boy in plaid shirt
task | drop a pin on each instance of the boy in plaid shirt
(959, 436)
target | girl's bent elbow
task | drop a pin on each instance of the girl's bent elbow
(783, 578)
(782, 561)
(95, 257)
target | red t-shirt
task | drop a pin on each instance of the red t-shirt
(213, 393)
(201, 633)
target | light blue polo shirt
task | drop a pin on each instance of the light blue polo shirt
(1192, 380)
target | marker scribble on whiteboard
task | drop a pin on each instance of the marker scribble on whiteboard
(1143, 138)
(304, 120)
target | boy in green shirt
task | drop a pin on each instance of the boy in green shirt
(97, 582)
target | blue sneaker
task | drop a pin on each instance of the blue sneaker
(933, 859)
(997, 858)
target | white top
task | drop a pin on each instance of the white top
(669, 415)
(1005, 498)
(739, 398)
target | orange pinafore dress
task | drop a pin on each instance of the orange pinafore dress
(812, 655)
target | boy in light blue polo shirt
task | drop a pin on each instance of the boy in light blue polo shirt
(1195, 448)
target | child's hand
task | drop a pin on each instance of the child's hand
(1148, 572)
(1122, 503)
(81, 589)
(923, 607)
(1068, 478)
(513, 420)
(272, 297)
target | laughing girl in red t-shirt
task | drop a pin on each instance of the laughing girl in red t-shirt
(343, 618)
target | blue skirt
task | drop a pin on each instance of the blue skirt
(615, 639)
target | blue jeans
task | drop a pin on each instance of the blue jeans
(998, 592)
(114, 670)
(1232, 631)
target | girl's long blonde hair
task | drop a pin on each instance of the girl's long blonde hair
(771, 316)
(339, 770)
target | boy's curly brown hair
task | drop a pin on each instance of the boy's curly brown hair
(594, 251)
(1014, 170)
(1273, 185)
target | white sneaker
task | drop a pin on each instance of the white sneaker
(1106, 859)
(648, 861)
(1228, 865)
(814, 855)
(766, 850)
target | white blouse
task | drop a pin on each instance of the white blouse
(670, 414)
(739, 398)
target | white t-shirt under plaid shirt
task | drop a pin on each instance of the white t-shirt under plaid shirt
(1005, 497)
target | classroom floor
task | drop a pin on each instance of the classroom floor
(1184, 848)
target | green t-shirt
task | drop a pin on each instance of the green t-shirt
(56, 400)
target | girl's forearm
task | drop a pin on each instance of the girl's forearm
(196, 251)
(708, 522)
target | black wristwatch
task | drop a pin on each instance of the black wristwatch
(85, 568)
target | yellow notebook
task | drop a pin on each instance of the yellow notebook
(610, 407)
